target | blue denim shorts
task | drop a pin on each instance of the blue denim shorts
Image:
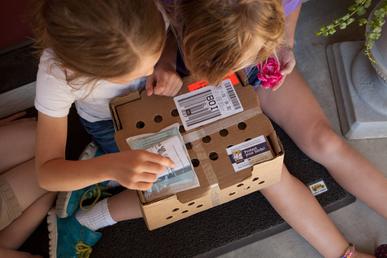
(252, 73)
(102, 133)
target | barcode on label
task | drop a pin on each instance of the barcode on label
(208, 104)
(231, 93)
(199, 107)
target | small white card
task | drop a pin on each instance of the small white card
(249, 153)
(173, 149)
(208, 104)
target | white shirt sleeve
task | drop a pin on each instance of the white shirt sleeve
(54, 96)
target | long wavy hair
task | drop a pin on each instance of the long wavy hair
(217, 36)
(97, 39)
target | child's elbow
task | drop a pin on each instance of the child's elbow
(42, 179)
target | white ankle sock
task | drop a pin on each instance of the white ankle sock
(97, 217)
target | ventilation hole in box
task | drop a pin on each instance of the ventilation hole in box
(174, 113)
(158, 119)
(191, 203)
(223, 132)
(262, 182)
(140, 124)
(247, 188)
(229, 146)
(206, 139)
(213, 156)
(242, 126)
(188, 145)
(255, 179)
(199, 206)
(175, 209)
(195, 162)
(185, 211)
(181, 129)
(248, 139)
(232, 193)
(170, 217)
(239, 185)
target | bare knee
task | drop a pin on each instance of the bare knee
(322, 142)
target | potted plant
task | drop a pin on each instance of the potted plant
(358, 11)
(360, 81)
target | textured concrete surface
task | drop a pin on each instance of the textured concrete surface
(359, 224)
(360, 94)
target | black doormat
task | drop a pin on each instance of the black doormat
(207, 234)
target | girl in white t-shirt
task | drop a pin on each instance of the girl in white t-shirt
(93, 51)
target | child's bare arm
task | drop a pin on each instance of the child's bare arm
(285, 50)
(290, 26)
(165, 80)
(132, 169)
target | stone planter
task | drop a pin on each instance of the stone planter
(360, 88)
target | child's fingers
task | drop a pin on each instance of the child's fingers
(142, 186)
(156, 158)
(178, 84)
(145, 177)
(279, 84)
(287, 69)
(151, 167)
(149, 85)
(160, 88)
(288, 66)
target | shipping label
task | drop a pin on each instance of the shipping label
(208, 104)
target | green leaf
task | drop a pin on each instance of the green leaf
(350, 20)
(343, 26)
(361, 11)
(377, 30)
(373, 36)
(346, 17)
(332, 31)
(362, 21)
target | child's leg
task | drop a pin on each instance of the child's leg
(22, 180)
(125, 206)
(15, 254)
(297, 206)
(75, 235)
(294, 108)
(17, 143)
(120, 207)
(14, 235)
(290, 198)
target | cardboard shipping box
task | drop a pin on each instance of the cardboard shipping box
(137, 114)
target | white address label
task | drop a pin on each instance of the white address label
(208, 105)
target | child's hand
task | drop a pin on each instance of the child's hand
(164, 81)
(136, 169)
(288, 62)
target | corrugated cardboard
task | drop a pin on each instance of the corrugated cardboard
(138, 114)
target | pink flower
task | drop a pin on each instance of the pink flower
(269, 73)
